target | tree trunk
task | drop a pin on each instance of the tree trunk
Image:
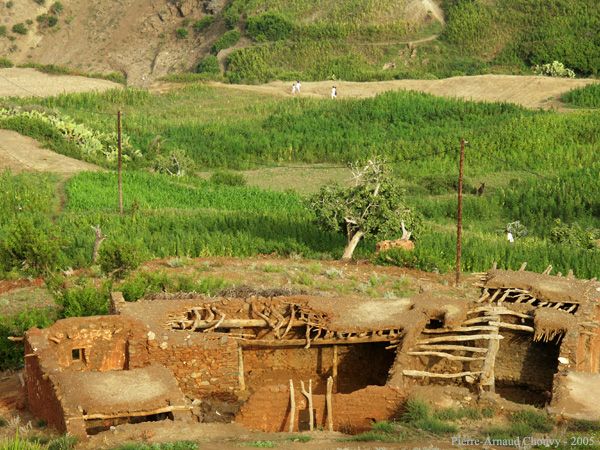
(100, 237)
(352, 243)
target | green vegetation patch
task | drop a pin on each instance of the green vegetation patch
(585, 97)
(229, 39)
(179, 445)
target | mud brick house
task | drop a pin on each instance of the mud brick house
(187, 357)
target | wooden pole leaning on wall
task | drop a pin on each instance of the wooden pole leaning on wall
(309, 399)
(242, 382)
(292, 408)
(120, 162)
(329, 403)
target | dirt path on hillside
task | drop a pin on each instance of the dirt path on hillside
(29, 82)
(528, 91)
(20, 153)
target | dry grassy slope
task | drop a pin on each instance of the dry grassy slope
(135, 37)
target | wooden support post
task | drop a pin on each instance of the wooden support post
(242, 382)
(488, 378)
(459, 209)
(309, 399)
(334, 369)
(329, 401)
(292, 408)
(120, 162)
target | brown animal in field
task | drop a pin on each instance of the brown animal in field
(398, 243)
(480, 189)
(404, 242)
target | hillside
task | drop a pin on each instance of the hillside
(259, 40)
(147, 39)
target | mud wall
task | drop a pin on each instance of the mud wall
(98, 350)
(588, 347)
(523, 361)
(41, 396)
(203, 368)
(268, 409)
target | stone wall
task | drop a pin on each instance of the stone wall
(202, 367)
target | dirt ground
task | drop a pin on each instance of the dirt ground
(528, 91)
(21, 153)
(29, 82)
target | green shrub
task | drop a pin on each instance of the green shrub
(228, 178)
(145, 283)
(118, 258)
(269, 27)
(47, 20)
(233, 13)
(415, 411)
(3, 32)
(376, 436)
(583, 425)
(40, 2)
(574, 235)
(5, 63)
(536, 420)
(57, 8)
(19, 28)
(554, 69)
(9, 4)
(209, 64)
(64, 442)
(508, 432)
(383, 426)
(586, 97)
(182, 33)
(229, 39)
(84, 300)
(18, 443)
(11, 353)
(458, 414)
(202, 24)
(30, 243)
(179, 445)
(418, 415)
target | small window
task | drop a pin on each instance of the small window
(77, 354)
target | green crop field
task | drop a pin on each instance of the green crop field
(540, 168)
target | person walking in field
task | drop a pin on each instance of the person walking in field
(295, 88)
(509, 237)
(298, 86)
(334, 92)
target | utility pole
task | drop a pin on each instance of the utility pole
(459, 215)
(120, 162)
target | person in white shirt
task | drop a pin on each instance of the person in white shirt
(510, 237)
(334, 92)
(294, 87)
(298, 86)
